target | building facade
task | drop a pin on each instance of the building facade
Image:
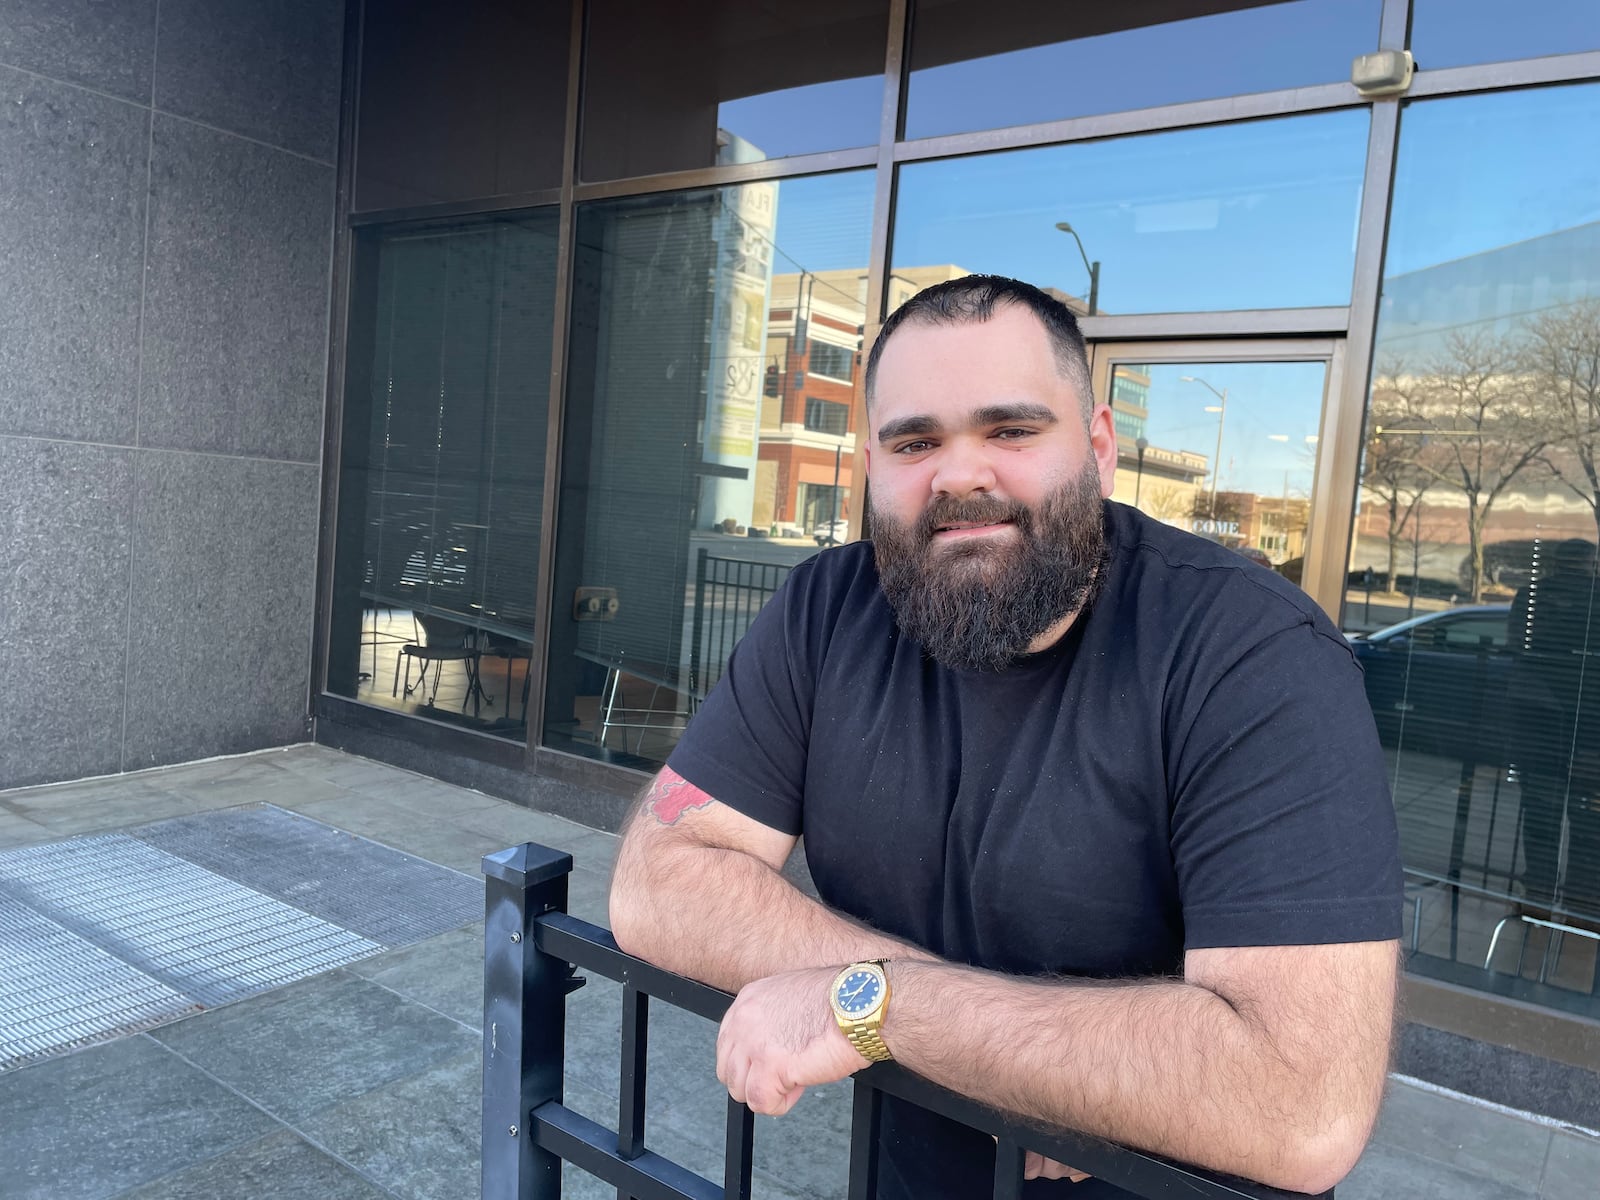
(603, 274)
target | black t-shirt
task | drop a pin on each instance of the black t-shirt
(1193, 765)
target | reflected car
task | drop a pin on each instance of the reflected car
(1436, 682)
(832, 533)
(1255, 555)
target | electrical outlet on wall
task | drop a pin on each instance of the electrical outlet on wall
(594, 604)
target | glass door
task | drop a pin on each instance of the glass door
(1225, 440)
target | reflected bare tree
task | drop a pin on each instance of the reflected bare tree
(1478, 427)
(1393, 473)
(1167, 502)
(1562, 359)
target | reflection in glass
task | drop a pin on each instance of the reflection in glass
(1456, 33)
(442, 472)
(1254, 215)
(459, 101)
(1225, 450)
(986, 64)
(1473, 581)
(710, 440)
(672, 87)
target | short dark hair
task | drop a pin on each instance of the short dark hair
(976, 298)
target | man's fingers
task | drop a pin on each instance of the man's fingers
(1039, 1167)
(766, 1096)
(736, 1078)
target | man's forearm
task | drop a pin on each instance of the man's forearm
(726, 918)
(1162, 1065)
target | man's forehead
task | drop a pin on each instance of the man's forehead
(1010, 325)
(970, 366)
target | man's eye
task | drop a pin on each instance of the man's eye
(1012, 435)
(912, 447)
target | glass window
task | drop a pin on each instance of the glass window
(1225, 450)
(834, 361)
(827, 416)
(1472, 593)
(673, 87)
(441, 479)
(985, 64)
(460, 101)
(690, 489)
(1457, 33)
(1260, 214)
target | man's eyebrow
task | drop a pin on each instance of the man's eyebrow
(907, 426)
(1000, 414)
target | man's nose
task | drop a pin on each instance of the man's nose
(963, 470)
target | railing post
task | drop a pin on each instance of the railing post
(524, 1019)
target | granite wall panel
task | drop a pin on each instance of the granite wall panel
(72, 185)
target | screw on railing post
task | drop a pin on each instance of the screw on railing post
(524, 1019)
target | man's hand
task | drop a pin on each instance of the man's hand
(779, 1038)
(1040, 1167)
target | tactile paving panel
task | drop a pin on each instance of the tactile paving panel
(383, 894)
(112, 933)
(58, 990)
(197, 932)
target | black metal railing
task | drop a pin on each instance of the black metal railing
(728, 593)
(532, 950)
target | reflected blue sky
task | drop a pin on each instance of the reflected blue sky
(805, 120)
(1478, 172)
(1496, 216)
(1254, 215)
(1227, 54)
(1272, 409)
(824, 223)
(1260, 214)
(1454, 33)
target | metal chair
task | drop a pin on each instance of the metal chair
(444, 641)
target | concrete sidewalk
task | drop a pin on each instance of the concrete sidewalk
(364, 1081)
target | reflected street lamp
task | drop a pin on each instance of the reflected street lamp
(1221, 409)
(1141, 444)
(1092, 267)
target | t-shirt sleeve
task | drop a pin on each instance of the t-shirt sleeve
(746, 747)
(1283, 829)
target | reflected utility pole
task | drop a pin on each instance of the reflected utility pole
(1221, 409)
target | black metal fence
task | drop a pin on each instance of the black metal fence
(532, 950)
(728, 593)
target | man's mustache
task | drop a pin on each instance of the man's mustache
(977, 510)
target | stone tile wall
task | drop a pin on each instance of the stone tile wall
(166, 233)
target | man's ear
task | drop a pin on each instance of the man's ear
(1103, 441)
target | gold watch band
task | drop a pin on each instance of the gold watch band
(870, 1043)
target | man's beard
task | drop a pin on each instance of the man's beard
(977, 604)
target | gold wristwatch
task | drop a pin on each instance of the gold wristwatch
(860, 1000)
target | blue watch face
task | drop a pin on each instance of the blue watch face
(859, 992)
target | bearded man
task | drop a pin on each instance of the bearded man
(1095, 809)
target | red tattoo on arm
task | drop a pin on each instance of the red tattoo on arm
(672, 795)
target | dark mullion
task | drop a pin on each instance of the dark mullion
(555, 413)
(1009, 1161)
(739, 1157)
(864, 1121)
